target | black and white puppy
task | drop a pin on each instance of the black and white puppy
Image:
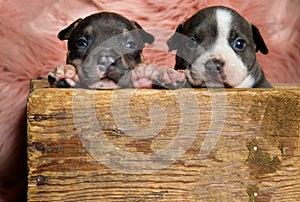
(104, 50)
(217, 48)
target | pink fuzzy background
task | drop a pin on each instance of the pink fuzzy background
(30, 49)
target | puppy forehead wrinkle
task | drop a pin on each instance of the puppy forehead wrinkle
(224, 20)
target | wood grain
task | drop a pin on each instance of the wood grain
(158, 145)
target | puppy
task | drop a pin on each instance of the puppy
(217, 47)
(104, 50)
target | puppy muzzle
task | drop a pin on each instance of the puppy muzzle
(214, 66)
(107, 61)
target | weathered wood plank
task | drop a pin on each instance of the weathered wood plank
(82, 146)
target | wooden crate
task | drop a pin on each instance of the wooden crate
(160, 145)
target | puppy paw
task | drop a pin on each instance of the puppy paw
(143, 76)
(64, 76)
(169, 78)
(152, 76)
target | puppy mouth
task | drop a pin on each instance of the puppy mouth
(106, 79)
(104, 82)
(107, 66)
(105, 76)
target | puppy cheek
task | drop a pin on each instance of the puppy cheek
(141, 58)
(89, 75)
(125, 62)
(234, 71)
(75, 62)
(129, 62)
(119, 73)
(234, 74)
(196, 73)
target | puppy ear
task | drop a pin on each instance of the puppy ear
(259, 41)
(66, 33)
(173, 42)
(147, 37)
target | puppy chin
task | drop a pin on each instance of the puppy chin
(104, 83)
(98, 80)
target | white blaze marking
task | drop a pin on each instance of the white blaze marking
(224, 20)
(234, 68)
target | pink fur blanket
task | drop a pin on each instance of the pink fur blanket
(30, 49)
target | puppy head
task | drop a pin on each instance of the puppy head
(104, 47)
(217, 48)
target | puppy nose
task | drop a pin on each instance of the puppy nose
(106, 57)
(214, 65)
(105, 61)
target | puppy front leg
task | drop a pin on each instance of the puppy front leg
(152, 76)
(64, 76)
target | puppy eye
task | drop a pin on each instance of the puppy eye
(130, 45)
(192, 43)
(239, 44)
(81, 43)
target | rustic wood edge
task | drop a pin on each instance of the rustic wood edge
(43, 84)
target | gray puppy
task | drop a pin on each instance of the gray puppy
(217, 48)
(104, 50)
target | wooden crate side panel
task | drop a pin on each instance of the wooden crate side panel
(255, 158)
